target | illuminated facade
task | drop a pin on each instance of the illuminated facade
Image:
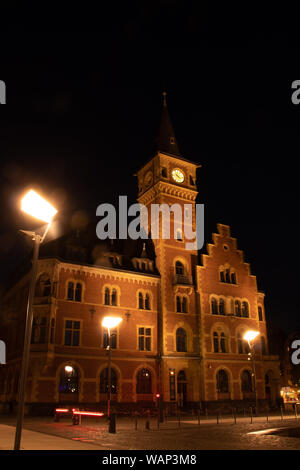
(183, 318)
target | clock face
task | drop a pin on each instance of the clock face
(178, 175)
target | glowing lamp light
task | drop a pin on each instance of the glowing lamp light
(69, 369)
(157, 395)
(36, 206)
(250, 335)
(111, 322)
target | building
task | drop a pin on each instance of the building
(184, 313)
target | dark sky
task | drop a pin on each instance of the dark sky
(83, 107)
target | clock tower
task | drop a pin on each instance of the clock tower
(169, 179)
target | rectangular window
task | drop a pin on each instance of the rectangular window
(72, 333)
(144, 339)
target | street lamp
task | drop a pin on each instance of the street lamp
(109, 322)
(250, 336)
(36, 206)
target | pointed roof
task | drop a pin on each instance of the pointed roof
(166, 141)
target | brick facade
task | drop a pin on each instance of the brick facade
(183, 343)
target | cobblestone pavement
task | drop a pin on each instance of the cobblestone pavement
(189, 436)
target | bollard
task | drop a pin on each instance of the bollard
(217, 418)
(267, 414)
(281, 411)
(75, 420)
(112, 423)
(251, 414)
(198, 416)
(234, 415)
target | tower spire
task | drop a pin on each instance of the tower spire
(166, 141)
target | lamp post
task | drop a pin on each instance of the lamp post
(109, 322)
(250, 336)
(36, 206)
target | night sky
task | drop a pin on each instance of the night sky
(83, 108)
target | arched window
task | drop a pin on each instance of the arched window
(222, 276)
(233, 278)
(78, 292)
(221, 307)
(246, 381)
(147, 302)
(180, 340)
(179, 268)
(237, 308)
(47, 288)
(70, 295)
(107, 296)
(69, 380)
(143, 383)
(263, 345)
(104, 381)
(222, 381)
(110, 296)
(223, 343)
(227, 276)
(184, 305)
(260, 313)
(113, 297)
(141, 300)
(214, 306)
(178, 304)
(216, 341)
(245, 309)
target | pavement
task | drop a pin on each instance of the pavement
(42, 433)
(32, 440)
